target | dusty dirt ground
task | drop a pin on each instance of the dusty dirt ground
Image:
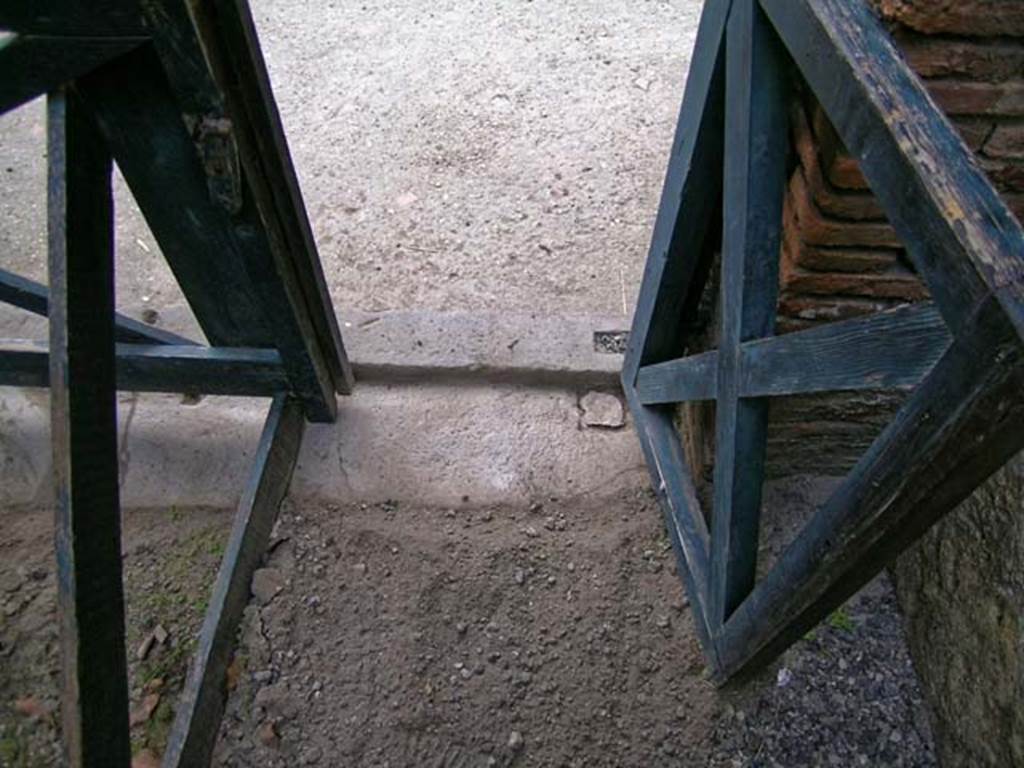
(453, 155)
(391, 635)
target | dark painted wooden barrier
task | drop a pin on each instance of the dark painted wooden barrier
(178, 95)
(962, 358)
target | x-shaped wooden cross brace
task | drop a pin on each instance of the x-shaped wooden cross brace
(961, 355)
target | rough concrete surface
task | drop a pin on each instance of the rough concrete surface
(430, 444)
(962, 590)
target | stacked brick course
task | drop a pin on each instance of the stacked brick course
(840, 256)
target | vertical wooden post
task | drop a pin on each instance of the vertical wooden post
(754, 181)
(90, 596)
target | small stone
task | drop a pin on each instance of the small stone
(663, 622)
(603, 410)
(551, 580)
(312, 756)
(276, 702)
(160, 634)
(466, 673)
(266, 584)
(461, 627)
(31, 708)
(360, 568)
(233, 673)
(405, 200)
(783, 678)
(515, 741)
(263, 676)
(520, 576)
(268, 736)
(145, 759)
(141, 714)
(145, 647)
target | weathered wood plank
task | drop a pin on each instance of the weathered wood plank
(32, 65)
(201, 705)
(222, 252)
(677, 496)
(191, 33)
(679, 255)
(959, 233)
(231, 43)
(165, 368)
(90, 595)
(963, 422)
(889, 350)
(679, 381)
(84, 18)
(137, 114)
(757, 138)
(676, 269)
(34, 297)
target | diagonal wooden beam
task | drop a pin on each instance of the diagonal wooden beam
(677, 495)
(161, 368)
(962, 423)
(959, 233)
(90, 594)
(220, 253)
(689, 198)
(34, 297)
(232, 46)
(757, 135)
(148, 138)
(201, 705)
(677, 266)
(32, 65)
(889, 350)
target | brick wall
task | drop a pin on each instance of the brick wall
(962, 586)
(840, 257)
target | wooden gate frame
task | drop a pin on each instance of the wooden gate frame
(178, 95)
(963, 356)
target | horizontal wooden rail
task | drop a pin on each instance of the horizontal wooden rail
(924, 463)
(890, 350)
(81, 18)
(161, 368)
